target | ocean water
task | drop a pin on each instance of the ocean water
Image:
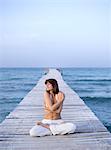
(15, 83)
(92, 85)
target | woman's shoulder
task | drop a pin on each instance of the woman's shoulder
(46, 93)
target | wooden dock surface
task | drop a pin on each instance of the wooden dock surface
(90, 133)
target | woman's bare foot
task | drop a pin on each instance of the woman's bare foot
(43, 125)
(39, 122)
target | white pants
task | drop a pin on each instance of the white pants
(56, 127)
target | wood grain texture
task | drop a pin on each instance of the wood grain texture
(89, 135)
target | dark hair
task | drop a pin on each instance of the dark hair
(54, 84)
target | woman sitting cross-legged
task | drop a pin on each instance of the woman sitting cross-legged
(52, 124)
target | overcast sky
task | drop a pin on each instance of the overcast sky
(55, 33)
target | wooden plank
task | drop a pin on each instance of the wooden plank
(90, 133)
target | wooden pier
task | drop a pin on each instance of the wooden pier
(90, 133)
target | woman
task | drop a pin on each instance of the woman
(52, 124)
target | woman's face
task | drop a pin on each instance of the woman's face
(49, 86)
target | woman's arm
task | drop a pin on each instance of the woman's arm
(47, 100)
(59, 109)
(53, 107)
